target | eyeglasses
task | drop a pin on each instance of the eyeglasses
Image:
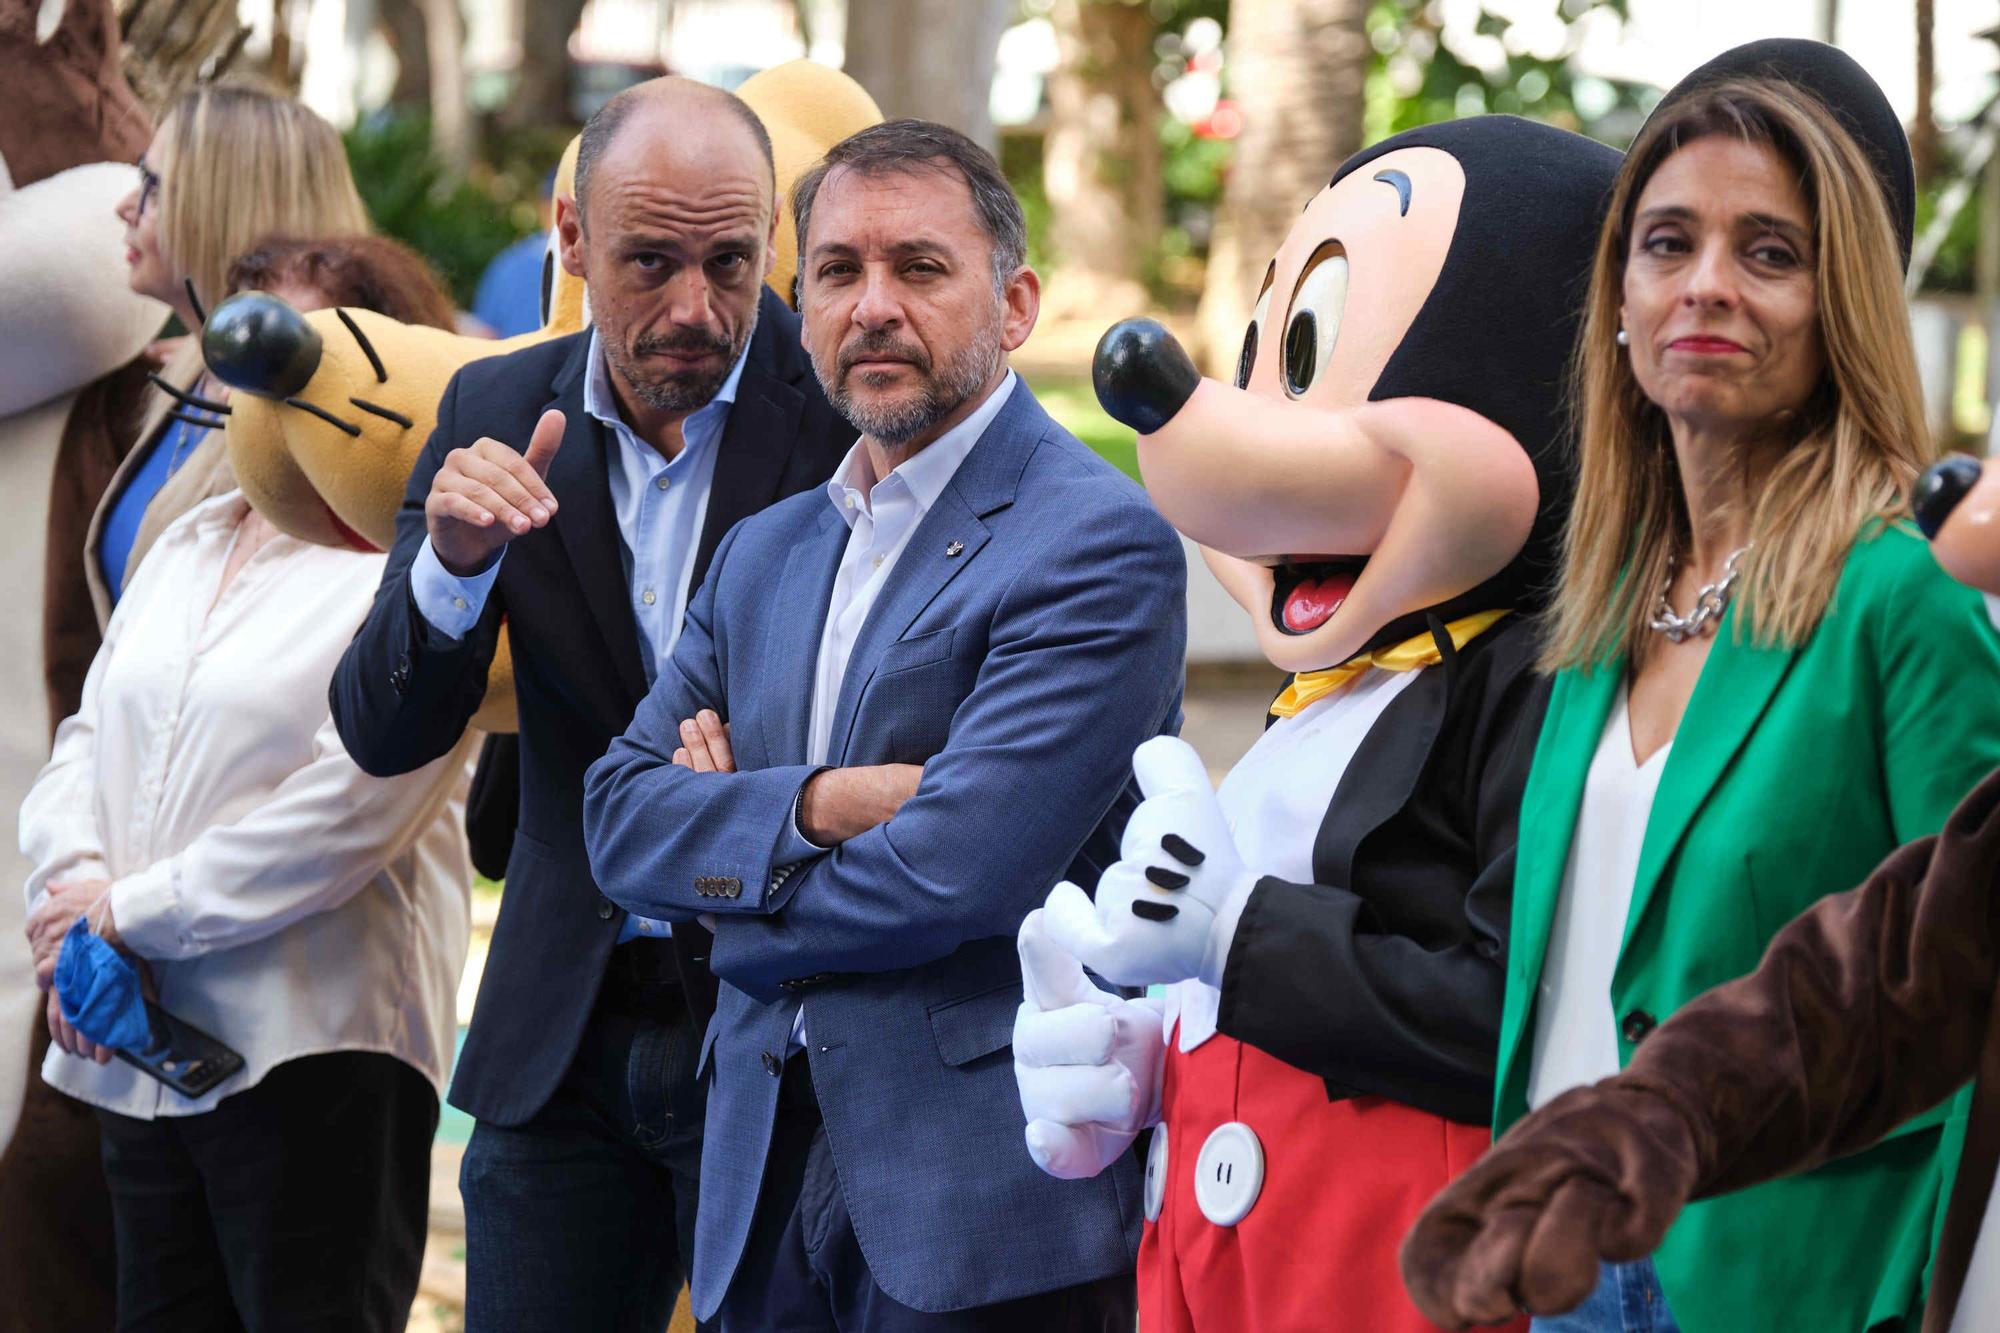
(149, 187)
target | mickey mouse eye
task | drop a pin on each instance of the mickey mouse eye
(1249, 356)
(1314, 326)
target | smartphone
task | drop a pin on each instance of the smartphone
(182, 1056)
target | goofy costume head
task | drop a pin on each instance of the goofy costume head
(1381, 490)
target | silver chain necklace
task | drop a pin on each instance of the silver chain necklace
(1709, 604)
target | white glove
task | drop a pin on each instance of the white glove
(1168, 910)
(1088, 1062)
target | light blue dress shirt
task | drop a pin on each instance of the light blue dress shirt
(659, 505)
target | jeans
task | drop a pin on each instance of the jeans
(583, 1216)
(1628, 1299)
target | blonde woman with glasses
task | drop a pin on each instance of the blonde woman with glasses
(1763, 682)
(229, 166)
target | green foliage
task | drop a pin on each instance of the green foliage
(1021, 161)
(1954, 268)
(457, 227)
(1407, 39)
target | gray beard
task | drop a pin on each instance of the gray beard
(680, 393)
(941, 392)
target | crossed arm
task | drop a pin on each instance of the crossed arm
(1084, 662)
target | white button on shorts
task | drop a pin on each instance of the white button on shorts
(1229, 1174)
(1156, 1174)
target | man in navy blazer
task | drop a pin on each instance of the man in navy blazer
(904, 706)
(688, 407)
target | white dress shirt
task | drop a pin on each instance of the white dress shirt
(289, 904)
(660, 506)
(880, 521)
(1576, 1032)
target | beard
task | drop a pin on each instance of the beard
(676, 391)
(939, 391)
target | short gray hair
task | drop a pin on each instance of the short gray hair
(909, 146)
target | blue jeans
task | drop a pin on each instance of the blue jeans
(1628, 1299)
(583, 1216)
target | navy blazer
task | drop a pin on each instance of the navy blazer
(1030, 636)
(403, 693)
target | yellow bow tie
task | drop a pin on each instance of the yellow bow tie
(1420, 651)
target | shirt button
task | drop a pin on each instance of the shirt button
(772, 1064)
(850, 502)
(458, 602)
(663, 481)
(648, 597)
(878, 562)
(605, 909)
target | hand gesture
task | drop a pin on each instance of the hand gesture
(51, 921)
(1087, 1062)
(485, 496)
(1597, 1174)
(1158, 909)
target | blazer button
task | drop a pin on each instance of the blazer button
(772, 1064)
(605, 907)
(1637, 1025)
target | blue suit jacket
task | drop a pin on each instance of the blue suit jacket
(1022, 670)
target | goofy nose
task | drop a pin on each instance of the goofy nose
(1940, 488)
(1142, 374)
(257, 343)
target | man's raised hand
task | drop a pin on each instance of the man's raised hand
(487, 495)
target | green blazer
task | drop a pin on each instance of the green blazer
(1792, 774)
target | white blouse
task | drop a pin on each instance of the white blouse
(289, 904)
(1576, 1033)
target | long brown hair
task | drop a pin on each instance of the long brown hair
(1853, 451)
(364, 272)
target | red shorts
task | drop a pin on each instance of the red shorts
(1342, 1183)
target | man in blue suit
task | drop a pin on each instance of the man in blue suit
(903, 706)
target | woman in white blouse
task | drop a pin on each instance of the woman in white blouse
(200, 812)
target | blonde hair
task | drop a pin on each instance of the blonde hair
(239, 163)
(1855, 447)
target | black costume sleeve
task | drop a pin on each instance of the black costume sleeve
(403, 693)
(1387, 978)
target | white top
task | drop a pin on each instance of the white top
(1576, 1032)
(1275, 800)
(289, 904)
(1979, 1303)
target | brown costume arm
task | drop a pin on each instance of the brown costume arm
(1867, 1010)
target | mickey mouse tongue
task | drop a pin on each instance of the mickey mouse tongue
(1309, 593)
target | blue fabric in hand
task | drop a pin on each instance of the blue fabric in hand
(99, 990)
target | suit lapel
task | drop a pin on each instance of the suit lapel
(579, 477)
(1735, 688)
(984, 483)
(1578, 709)
(921, 573)
(791, 651)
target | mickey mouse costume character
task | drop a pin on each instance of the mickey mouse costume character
(1380, 490)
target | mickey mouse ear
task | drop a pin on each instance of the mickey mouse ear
(1834, 77)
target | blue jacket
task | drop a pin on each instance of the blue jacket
(1030, 636)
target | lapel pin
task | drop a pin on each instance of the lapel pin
(954, 548)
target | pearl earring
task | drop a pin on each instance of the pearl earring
(1623, 340)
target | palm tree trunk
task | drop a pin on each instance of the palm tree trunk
(1295, 72)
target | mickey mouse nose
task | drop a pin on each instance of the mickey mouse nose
(1142, 374)
(1940, 488)
(257, 343)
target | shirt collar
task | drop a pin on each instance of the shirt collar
(931, 468)
(600, 402)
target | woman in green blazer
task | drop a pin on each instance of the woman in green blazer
(1763, 682)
